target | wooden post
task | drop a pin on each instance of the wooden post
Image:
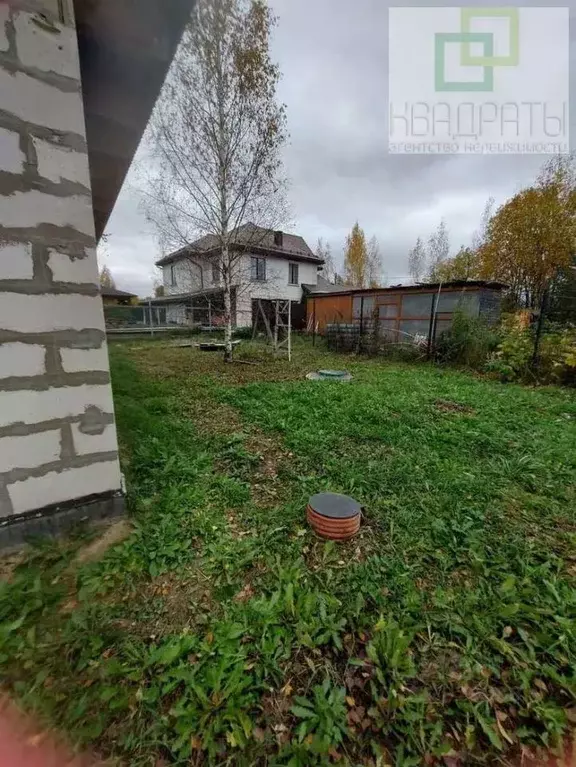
(210, 313)
(361, 324)
(540, 327)
(289, 331)
(276, 321)
(314, 322)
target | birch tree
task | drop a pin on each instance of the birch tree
(324, 251)
(216, 136)
(417, 261)
(374, 264)
(438, 248)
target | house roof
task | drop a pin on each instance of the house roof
(185, 298)
(254, 238)
(125, 49)
(424, 287)
(323, 286)
(114, 293)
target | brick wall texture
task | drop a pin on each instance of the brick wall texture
(57, 434)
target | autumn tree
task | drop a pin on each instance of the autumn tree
(532, 236)
(417, 261)
(356, 258)
(438, 249)
(463, 266)
(480, 235)
(106, 278)
(216, 136)
(324, 251)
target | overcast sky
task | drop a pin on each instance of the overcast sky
(334, 59)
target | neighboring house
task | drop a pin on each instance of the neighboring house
(78, 81)
(114, 297)
(271, 265)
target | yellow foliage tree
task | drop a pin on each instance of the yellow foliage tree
(106, 279)
(463, 266)
(356, 262)
(533, 235)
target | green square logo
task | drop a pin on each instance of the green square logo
(442, 39)
(513, 58)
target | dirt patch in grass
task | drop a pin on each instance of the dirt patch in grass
(445, 406)
(111, 536)
(168, 604)
(10, 561)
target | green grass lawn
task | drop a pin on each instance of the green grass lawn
(224, 632)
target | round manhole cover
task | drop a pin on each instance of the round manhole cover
(334, 516)
(329, 375)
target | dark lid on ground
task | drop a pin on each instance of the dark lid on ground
(334, 505)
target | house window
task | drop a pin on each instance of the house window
(293, 274)
(173, 275)
(258, 269)
(215, 273)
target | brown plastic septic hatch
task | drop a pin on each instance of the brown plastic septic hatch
(334, 516)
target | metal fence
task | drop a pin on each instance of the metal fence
(145, 320)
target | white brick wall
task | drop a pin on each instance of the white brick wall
(33, 208)
(64, 486)
(84, 444)
(38, 406)
(41, 104)
(66, 269)
(16, 261)
(55, 163)
(49, 51)
(30, 451)
(33, 101)
(40, 314)
(78, 360)
(11, 156)
(21, 360)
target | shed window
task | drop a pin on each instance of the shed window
(387, 330)
(417, 305)
(293, 274)
(388, 310)
(368, 306)
(412, 328)
(258, 269)
(467, 302)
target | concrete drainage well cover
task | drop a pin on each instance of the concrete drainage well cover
(330, 375)
(334, 516)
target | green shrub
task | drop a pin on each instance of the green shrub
(513, 358)
(243, 333)
(468, 342)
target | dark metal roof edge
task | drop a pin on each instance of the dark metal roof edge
(425, 287)
(286, 255)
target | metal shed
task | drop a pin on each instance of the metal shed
(404, 312)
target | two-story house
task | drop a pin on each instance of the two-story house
(266, 265)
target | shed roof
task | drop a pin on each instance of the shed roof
(420, 287)
(115, 293)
